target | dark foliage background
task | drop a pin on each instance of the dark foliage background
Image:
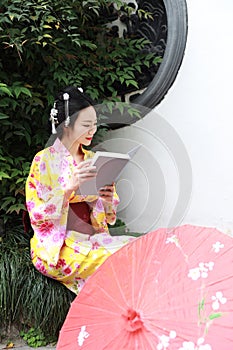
(44, 46)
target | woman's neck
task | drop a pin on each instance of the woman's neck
(75, 149)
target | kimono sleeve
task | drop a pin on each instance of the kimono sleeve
(48, 214)
(44, 195)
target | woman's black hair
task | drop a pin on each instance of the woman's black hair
(77, 101)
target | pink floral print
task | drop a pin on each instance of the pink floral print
(61, 180)
(31, 185)
(61, 263)
(50, 209)
(42, 167)
(67, 270)
(51, 169)
(40, 266)
(45, 228)
(30, 205)
(37, 158)
(38, 216)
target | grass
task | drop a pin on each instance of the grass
(27, 298)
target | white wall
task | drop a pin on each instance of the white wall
(188, 138)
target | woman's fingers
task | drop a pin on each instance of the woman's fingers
(108, 188)
(106, 193)
(89, 170)
(84, 171)
(85, 164)
(87, 174)
(106, 198)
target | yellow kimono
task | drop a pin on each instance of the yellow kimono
(56, 251)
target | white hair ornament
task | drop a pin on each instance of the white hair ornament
(66, 98)
(53, 119)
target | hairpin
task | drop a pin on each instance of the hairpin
(66, 98)
(80, 89)
(53, 119)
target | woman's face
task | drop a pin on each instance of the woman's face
(84, 127)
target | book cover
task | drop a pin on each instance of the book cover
(109, 166)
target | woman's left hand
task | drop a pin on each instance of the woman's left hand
(106, 193)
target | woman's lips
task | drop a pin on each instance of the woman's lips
(89, 138)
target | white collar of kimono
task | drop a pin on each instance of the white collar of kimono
(60, 148)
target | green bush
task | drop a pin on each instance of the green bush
(120, 228)
(27, 298)
(35, 338)
(45, 45)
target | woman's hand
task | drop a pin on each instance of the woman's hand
(83, 172)
(106, 193)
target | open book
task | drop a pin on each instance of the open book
(109, 167)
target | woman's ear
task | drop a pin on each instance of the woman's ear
(65, 130)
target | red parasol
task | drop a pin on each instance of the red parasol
(165, 290)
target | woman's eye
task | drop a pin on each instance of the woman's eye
(89, 126)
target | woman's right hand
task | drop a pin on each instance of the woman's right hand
(83, 172)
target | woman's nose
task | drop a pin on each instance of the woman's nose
(92, 130)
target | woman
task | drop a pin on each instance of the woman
(71, 237)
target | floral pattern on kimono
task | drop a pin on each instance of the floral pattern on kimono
(56, 251)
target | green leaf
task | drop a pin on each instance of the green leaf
(215, 315)
(28, 138)
(7, 201)
(26, 91)
(15, 208)
(157, 60)
(110, 106)
(122, 79)
(5, 90)
(22, 90)
(138, 68)
(51, 19)
(4, 175)
(147, 64)
(131, 82)
(120, 106)
(20, 180)
(134, 112)
(47, 36)
(20, 133)
(4, 116)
